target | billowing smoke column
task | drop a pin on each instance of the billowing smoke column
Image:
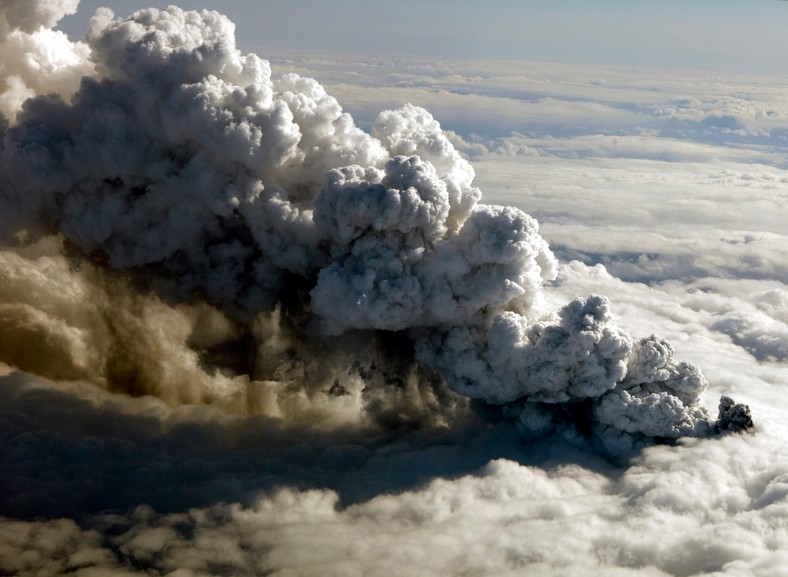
(178, 160)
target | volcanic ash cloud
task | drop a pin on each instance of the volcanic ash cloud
(178, 161)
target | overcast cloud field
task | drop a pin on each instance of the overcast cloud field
(313, 314)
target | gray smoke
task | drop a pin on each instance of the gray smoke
(249, 243)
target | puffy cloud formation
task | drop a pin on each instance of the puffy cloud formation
(31, 16)
(36, 59)
(397, 267)
(359, 269)
(659, 396)
(581, 356)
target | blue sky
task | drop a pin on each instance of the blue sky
(704, 34)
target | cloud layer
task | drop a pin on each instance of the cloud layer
(215, 499)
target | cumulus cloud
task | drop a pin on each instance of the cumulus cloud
(32, 16)
(36, 59)
(580, 356)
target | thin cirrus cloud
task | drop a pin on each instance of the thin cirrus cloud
(147, 432)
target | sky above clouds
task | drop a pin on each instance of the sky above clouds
(143, 432)
(703, 34)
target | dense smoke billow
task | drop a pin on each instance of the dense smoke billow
(180, 223)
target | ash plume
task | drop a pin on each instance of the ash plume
(248, 245)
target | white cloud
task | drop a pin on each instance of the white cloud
(36, 59)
